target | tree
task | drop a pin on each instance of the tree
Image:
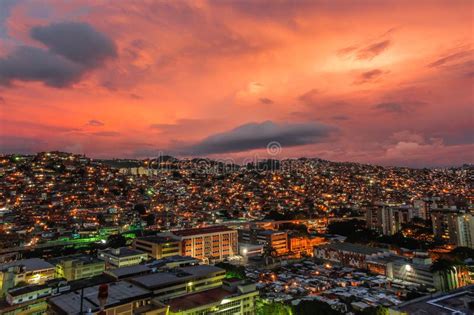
(447, 269)
(354, 230)
(269, 252)
(140, 208)
(116, 241)
(461, 253)
(272, 308)
(379, 310)
(232, 271)
(315, 307)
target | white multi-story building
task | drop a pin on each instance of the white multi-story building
(122, 257)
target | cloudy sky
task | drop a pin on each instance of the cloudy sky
(386, 82)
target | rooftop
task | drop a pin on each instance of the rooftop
(198, 299)
(29, 264)
(128, 271)
(356, 248)
(119, 293)
(122, 252)
(204, 230)
(157, 239)
(86, 259)
(26, 289)
(161, 279)
(458, 301)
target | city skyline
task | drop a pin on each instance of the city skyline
(383, 83)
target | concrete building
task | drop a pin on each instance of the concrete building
(33, 292)
(460, 301)
(77, 267)
(454, 226)
(122, 257)
(234, 297)
(158, 247)
(213, 243)
(123, 298)
(277, 240)
(28, 271)
(464, 230)
(388, 220)
(348, 254)
(181, 281)
(417, 271)
(247, 250)
(421, 209)
(304, 245)
(174, 262)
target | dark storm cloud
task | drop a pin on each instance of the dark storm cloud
(20, 145)
(78, 42)
(253, 136)
(74, 49)
(34, 64)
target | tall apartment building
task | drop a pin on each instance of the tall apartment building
(464, 230)
(214, 243)
(277, 240)
(457, 227)
(388, 220)
(421, 209)
(454, 225)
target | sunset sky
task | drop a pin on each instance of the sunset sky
(385, 82)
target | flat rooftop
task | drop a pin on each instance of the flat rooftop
(387, 259)
(204, 230)
(158, 239)
(355, 248)
(122, 252)
(119, 293)
(162, 279)
(441, 304)
(129, 271)
(27, 289)
(31, 264)
(86, 259)
(198, 299)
